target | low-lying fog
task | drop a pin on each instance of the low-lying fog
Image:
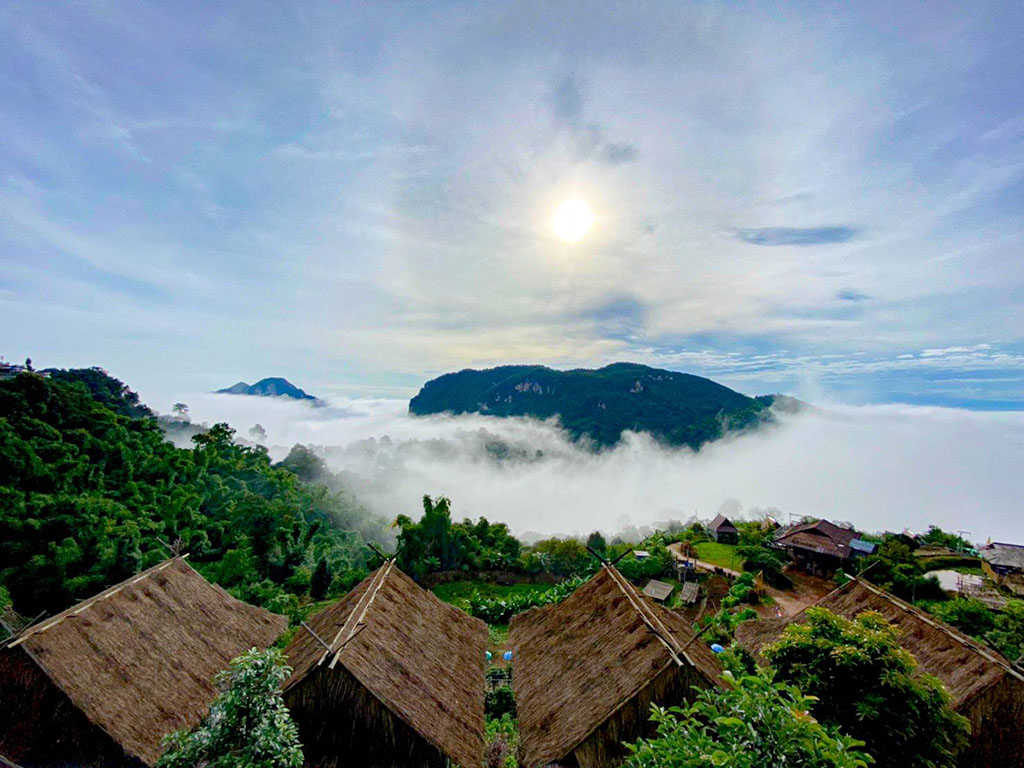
(880, 467)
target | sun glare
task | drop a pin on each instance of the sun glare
(573, 219)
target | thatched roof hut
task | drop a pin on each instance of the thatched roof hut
(986, 688)
(104, 681)
(587, 670)
(391, 677)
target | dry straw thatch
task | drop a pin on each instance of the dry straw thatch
(104, 681)
(587, 670)
(985, 687)
(400, 683)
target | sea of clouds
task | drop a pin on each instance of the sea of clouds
(880, 467)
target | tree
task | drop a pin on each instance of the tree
(754, 723)
(258, 433)
(248, 726)
(596, 542)
(321, 580)
(868, 686)
(180, 410)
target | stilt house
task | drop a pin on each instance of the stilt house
(101, 683)
(389, 676)
(588, 669)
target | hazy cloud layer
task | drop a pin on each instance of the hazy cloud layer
(879, 467)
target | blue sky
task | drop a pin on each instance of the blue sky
(820, 199)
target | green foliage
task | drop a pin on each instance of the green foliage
(769, 562)
(249, 725)
(499, 702)
(599, 404)
(501, 610)
(596, 542)
(869, 686)
(940, 538)
(89, 496)
(754, 723)
(501, 736)
(562, 557)
(435, 543)
(1003, 630)
(104, 389)
(896, 569)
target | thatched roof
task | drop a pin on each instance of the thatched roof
(138, 659)
(421, 658)
(578, 661)
(964, 665)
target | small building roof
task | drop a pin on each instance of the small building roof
(721, 523)
(1005, 555)
(819, 536)
(658, 590)
(138, 659)
(421, 658)
(688, 593)
(579, 660)
(964, 665)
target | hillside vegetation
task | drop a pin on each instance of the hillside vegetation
(677, 408)
(91, 492)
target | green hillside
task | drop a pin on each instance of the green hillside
(677, 408)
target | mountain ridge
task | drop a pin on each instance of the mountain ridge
(599, 404)
(273, 386)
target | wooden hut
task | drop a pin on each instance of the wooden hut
(588, 669)
(986, 688)
(104, 681)
(389, 676)
(723, 531)
(821, 547)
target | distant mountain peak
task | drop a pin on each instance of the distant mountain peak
(676, 408)
(274, 386)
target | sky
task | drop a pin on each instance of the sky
(818, 199)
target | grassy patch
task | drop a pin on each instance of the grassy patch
(723, 555)
(458, 592)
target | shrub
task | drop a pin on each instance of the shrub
(869, 686)
(754, 723)
(248, 725)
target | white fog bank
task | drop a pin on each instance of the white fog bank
(880, 467)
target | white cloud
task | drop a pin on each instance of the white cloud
(881, 467)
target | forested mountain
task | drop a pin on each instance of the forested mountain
(90, 492)
(274, 386)
(678, 408)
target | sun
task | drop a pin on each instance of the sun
(573, 219)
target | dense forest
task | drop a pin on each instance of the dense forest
(678, 408)
(91, 491)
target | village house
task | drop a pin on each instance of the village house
(103, 682)
(723, 531)
(1004, 564)
(820, 547)
(389, 676)
(589, 668)
(985, 687)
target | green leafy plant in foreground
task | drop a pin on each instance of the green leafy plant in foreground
(755, 722)
(249, 725)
